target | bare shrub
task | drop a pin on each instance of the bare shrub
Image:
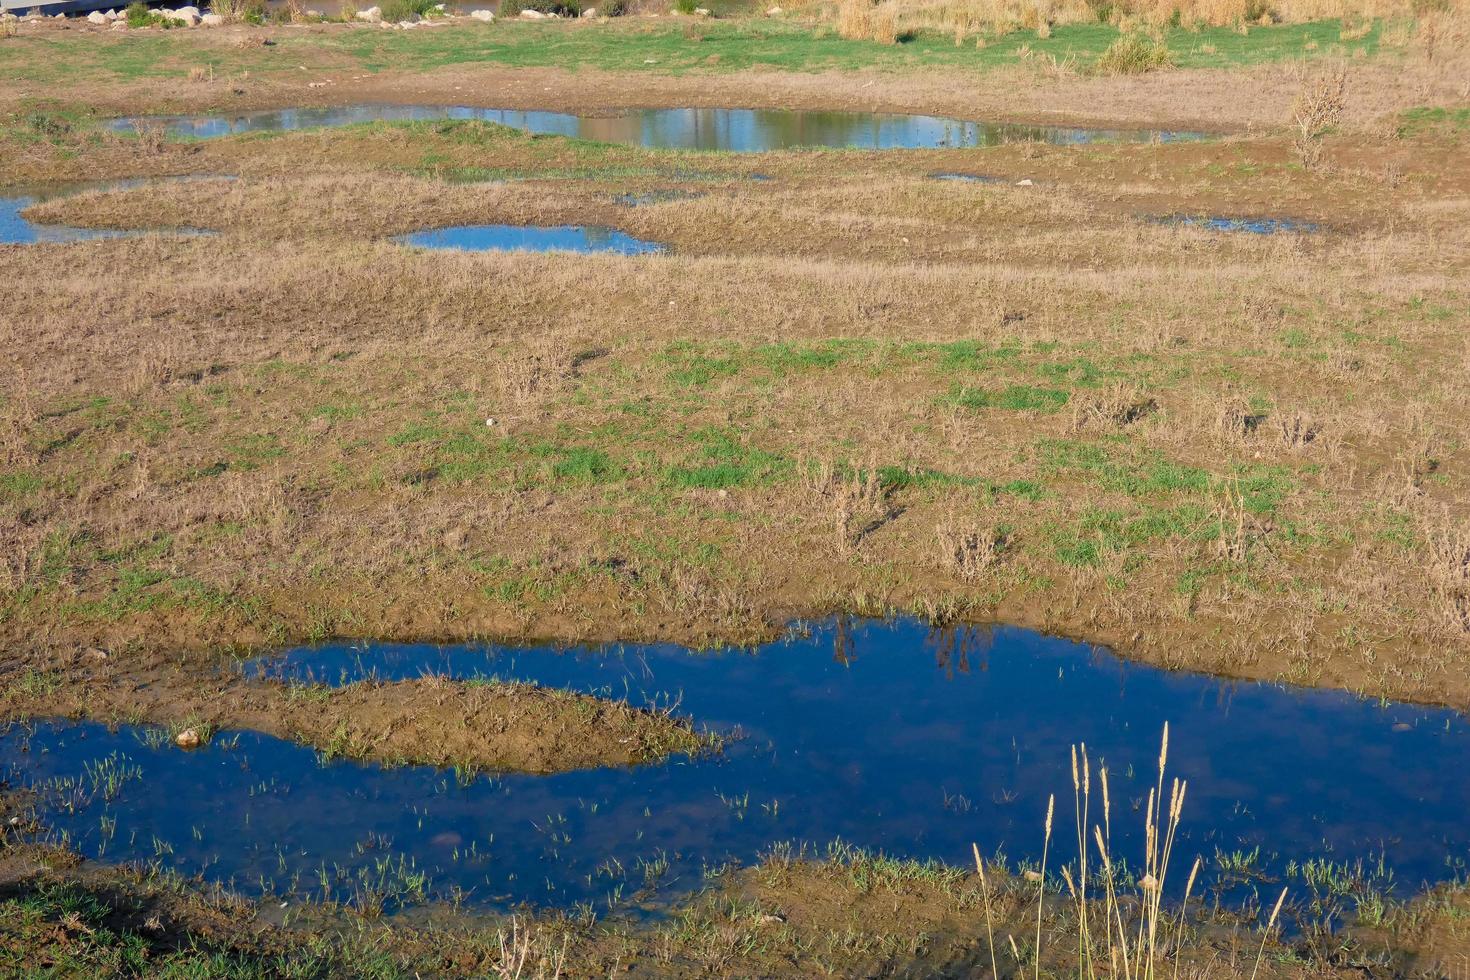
(885, 24)
(855, 19)
(529, 372)
(970, 550)
(151, 136)
(201, 73)
(1448, 568)
(1317, 110)
(1236, 527)
(1115, 406)
(855, 499)
(9, 27)
(230, 11)
(862, 20)
(1235, 419)
(1297, 431)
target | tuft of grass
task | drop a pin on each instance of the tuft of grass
(1134, 54)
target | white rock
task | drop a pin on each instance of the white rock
(773, 11)
(373, 15)
(701, 11)
(184, 15)
(532, 15)
(119, 25)
(482, 15)
(96, 17)
(404, 25)
(1024, 182)
(590, 12)
(211, 20)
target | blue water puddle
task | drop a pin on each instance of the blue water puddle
(519, 238)
(737, 130)
(970, 178)
(16, 229)
(1252, 226)
(885, 734)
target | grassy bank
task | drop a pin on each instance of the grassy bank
(641, 46)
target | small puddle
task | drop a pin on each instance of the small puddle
(639, 199)
(738, 130)
(1251, 226)
(16, 229)
(970, 178)
(519, 238)
(886, 734)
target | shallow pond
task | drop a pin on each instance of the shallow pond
(740, 130)
(887, 735)
(520, 238)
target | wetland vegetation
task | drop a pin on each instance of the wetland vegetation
(675, 566)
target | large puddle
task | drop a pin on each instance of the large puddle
(740, 130)
(884, 734)
(520, 238)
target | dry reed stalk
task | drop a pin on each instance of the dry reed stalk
(1081, 798)
(985, 898)
(1051, 802)
(1270, 924)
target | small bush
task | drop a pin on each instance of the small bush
(1134, 54)
(399, 10)
(1317, 110)
(562, 8)
(685, 7)
(138, 15)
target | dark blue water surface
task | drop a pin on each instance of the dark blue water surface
(887, 735)
(520, 238)
(739, 130)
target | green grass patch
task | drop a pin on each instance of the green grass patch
(1016, 398)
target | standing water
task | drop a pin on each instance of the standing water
(885, 734)
(519, 238)
(738, 130)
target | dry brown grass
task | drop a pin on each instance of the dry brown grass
(312, 394)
